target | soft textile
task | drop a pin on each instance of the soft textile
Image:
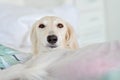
(95, 62)
(10, 56)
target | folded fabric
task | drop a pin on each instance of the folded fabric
(9, 56)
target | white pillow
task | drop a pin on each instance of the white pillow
(15, 21)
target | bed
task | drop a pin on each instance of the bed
(16, 21)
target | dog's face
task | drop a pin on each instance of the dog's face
(51, 32)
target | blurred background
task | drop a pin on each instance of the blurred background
(94, 21)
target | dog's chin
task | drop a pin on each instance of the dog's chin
(52, 46)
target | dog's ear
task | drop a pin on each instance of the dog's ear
(34, 40)
(71, 41)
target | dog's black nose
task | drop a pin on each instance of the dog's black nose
(52, 39)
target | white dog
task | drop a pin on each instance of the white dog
(52, 32)
(52, 38)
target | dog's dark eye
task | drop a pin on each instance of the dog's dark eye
(60, 25)
(41, 26)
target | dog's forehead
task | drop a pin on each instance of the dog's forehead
(48, 20)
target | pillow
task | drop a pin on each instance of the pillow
(16, 21)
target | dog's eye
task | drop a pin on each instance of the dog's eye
(41, 26)
(60, 25)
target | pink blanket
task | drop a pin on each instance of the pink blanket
(90, 63)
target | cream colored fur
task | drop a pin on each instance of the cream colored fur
(44, 57)
(66, 35)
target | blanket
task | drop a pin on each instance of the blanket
(10, 56)
(94, 62)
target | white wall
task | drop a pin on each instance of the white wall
(16, 2)
(113, 19)
(92, 26)
(43, 3)
(35, 3)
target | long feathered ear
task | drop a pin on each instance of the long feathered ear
(71, 40)
(34, 40)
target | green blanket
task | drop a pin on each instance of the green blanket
(8, 57)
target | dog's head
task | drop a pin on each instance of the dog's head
(51, 32)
